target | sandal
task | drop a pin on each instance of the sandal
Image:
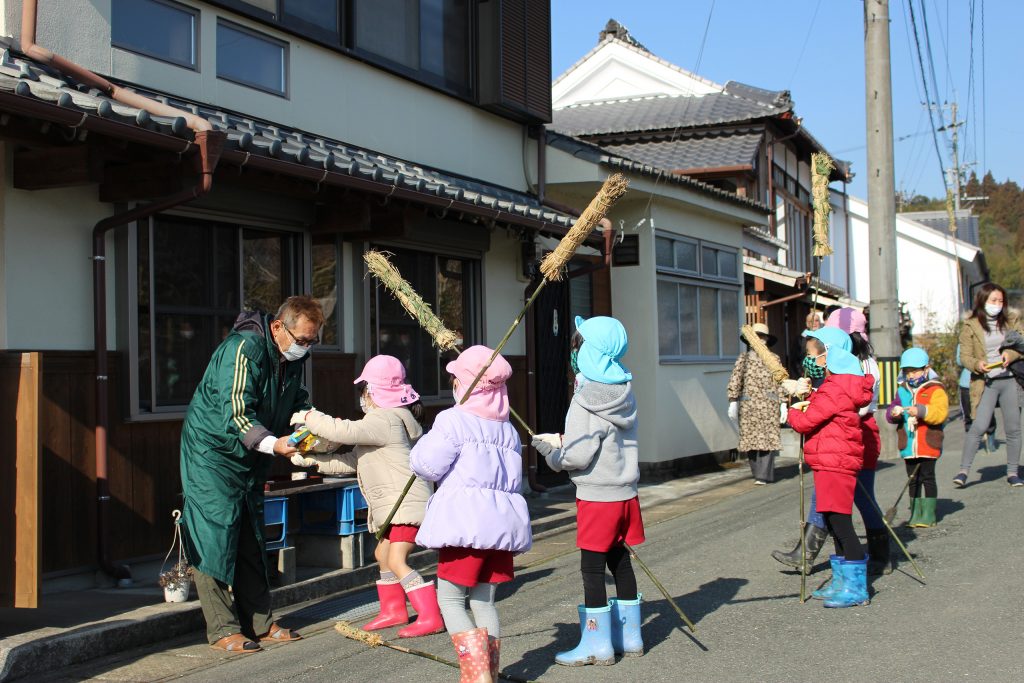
(277, 634)
(237, 644)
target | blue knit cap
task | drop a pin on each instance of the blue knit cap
(604, 343)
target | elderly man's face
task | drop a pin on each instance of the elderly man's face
(304, 333)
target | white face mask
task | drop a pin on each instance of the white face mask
(992, 310)
(362, 405)
(295, 352)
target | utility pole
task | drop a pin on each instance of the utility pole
(884, 311)
(956, 159)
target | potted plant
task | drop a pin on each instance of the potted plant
(176, 582)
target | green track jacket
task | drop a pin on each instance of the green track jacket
(247, 393)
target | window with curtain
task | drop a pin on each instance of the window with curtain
(698, 298)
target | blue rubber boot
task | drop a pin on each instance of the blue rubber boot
(626, 620)
(595, 639)
(855, 585)
(837, 580)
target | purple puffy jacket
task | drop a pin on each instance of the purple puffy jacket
(477, 465)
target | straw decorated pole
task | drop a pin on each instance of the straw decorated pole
(378, 263)
(821, 168)
(374, 640)
(661, 587)
(552, 268)
(758, 346)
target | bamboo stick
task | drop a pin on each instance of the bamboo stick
(661, 587)
(552, 266)
(892, 533)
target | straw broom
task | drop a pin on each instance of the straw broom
(373, 640)
(821, 168)
(553, 266)
(378, 263)
(758, 346)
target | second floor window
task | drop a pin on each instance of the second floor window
(251, 59)
(160, 29)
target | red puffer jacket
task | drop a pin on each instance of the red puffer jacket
(833, 427)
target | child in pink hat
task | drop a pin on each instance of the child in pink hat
(477, 519)
(380, 460)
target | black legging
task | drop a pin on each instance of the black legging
(592, 566)
(847, 544)
(925, 477)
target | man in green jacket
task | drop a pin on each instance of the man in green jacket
(245, 400)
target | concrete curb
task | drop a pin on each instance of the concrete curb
(44, 650)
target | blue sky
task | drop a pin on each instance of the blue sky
(766, 44)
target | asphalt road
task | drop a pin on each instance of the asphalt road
(712, 552)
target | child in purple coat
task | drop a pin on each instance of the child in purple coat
(476, 519)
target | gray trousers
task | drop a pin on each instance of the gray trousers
(1004, 392)
(762, 464)
(451, 598)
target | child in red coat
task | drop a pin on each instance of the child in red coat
(834, 449)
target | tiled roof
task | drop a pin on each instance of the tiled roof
(669, 112)
(25, 78)
(595, 154)
(966, 224)
(730, 148)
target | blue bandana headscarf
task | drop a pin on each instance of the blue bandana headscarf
(604, 343)
(839, 360)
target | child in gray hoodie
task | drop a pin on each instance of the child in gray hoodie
(599, 449)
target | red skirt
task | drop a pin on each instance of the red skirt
(834, 491)
(469, 566)
(872, 442)
(401, 533)
(600, 526)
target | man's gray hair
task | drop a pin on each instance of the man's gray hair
(295, 307)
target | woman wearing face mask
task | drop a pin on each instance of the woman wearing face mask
(981, 339)
(380, 460)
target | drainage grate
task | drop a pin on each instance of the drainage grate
(345, 607)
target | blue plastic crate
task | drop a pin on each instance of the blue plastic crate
(275, 514)
(339, 512)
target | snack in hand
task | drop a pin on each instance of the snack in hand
(801, 405)
(993, 366)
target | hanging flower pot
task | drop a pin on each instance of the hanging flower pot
(176, 581)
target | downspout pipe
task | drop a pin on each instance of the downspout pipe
(210, 144)
(83, 75)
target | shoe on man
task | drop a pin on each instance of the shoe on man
(960, 480)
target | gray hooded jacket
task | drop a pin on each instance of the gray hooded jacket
(599, 446)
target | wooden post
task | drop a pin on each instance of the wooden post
(26, 506)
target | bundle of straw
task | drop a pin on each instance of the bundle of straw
(413, 303)
(553, 265)
(373, 640)
(821, 168)
(950, 212)
(761, 349)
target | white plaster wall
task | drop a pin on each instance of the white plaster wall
(504, 293)
(329, 94)
(681, 405)
(48, 288)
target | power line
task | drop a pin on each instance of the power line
(707, 25)
(807, 39)
(984, 113)
(928, 103)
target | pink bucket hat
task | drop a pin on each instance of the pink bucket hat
(385, 375)
(849, 320)
(489, 399)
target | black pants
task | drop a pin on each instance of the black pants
(592, 566)
(925, 477)
(965, 408)
(847, 544)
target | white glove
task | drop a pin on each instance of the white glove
(803, 386)
(299, 461)
(298, 418)
(783, 413)
(546, 444)
(911, 424)
(734, 412)
(897, 411)
(790, 386)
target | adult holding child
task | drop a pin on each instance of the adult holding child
(982, 339)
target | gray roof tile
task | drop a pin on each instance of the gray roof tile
(716, 150)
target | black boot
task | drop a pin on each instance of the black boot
(878, 552)
(814, 539)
